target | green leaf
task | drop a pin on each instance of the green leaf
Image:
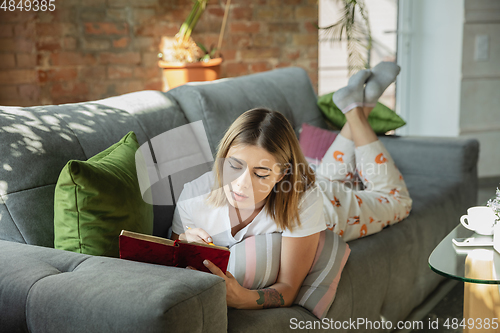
(202, 47)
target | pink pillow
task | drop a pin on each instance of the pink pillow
(319, 288)
(315, 141)
(255, 262)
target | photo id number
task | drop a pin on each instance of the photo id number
(28, 5)
(472, 323)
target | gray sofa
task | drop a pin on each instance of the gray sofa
(47, 290)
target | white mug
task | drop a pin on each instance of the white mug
(479, 219)
(496, 239)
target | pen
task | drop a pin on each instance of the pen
(208, 243)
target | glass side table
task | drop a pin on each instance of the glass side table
(479, 269)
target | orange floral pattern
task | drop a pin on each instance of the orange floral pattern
(353, 220)
(363, 231)
(371, 187)
(338, 156)
(336, 202)
(380, 159)
(383, 199)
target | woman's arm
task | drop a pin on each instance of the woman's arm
(297, 255)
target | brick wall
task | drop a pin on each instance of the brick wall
(86, 50)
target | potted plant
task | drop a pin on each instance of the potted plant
(183, 60)
(357, 34)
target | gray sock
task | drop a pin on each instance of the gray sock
(350, 96)
(382, 76)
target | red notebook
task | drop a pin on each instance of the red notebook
(178, 253)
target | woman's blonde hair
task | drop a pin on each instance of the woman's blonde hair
(271, 131)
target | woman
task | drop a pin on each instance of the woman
(261, 183)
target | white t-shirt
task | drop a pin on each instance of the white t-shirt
(192, 211)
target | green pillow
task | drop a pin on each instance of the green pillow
(381, 119)
(97, 198)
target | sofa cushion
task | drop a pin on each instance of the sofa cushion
(49, 290)
(35, 146)
(155, 111)
(218, 103)
(98, 198)
(37, 142)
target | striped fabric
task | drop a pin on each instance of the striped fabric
(255, 261)
(320, 285)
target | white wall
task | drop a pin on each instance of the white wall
(445, 89)
(442, 89)
(480, 102)
(430, 54)
(332, 60)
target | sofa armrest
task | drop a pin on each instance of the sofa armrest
(439, 161)
(49, 290)
(433, 156)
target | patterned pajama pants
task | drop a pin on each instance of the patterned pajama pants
(366, 190)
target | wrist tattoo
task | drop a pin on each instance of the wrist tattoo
(270, 298)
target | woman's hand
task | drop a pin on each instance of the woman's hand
(235, 293)
(197, 235)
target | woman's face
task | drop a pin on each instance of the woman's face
(252, 172)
